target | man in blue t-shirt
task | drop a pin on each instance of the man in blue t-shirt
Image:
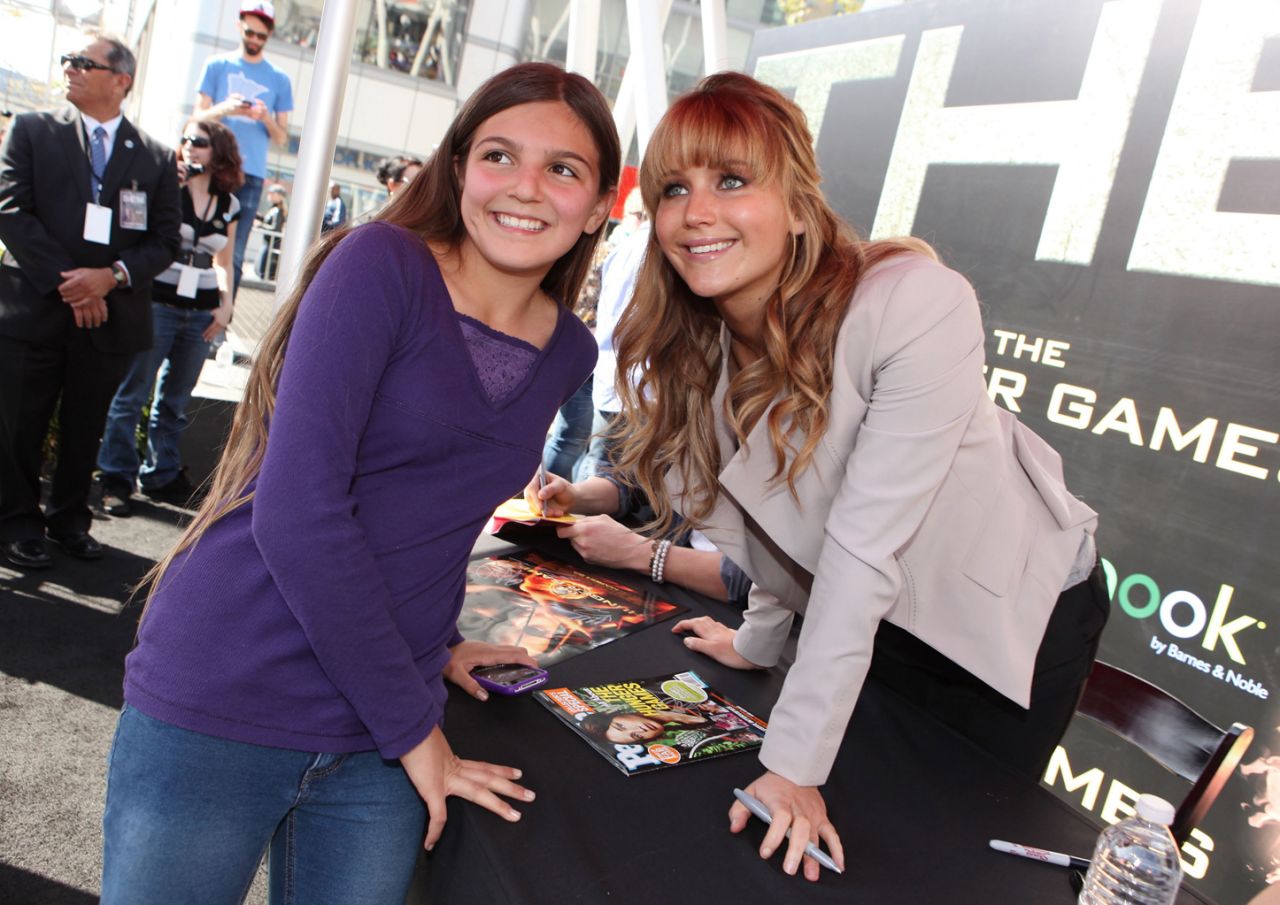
(252, 97)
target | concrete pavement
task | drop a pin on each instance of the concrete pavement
(64, 633)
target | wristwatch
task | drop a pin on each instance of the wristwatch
(119, 274)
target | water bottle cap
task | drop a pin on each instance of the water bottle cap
(1155, 809)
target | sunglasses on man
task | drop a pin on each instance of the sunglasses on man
(254, 33)
(196, 141)
(80, 63)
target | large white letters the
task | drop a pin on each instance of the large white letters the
(1215, 118)
(1083, 137)
(812, 72)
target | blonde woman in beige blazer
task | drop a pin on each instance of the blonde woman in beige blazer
(816, 405)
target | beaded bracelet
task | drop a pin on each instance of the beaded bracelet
(653, 559)
(658, 561)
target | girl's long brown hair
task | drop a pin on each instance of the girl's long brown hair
(430, 207)
(668, 338)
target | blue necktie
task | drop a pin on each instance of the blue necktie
(98, 148)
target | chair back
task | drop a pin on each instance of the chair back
(1171, 734)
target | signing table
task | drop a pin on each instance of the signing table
(915, 805)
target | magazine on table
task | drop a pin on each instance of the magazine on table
(552, 609)
(641, 725)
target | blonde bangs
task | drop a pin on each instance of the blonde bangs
(702, 130)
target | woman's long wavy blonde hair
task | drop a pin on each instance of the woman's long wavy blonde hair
(668, 339)
(430, 206)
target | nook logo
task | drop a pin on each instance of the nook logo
(1182, 614)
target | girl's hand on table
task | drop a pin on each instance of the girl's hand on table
(467, 655)
(436, 772)
(706, 636)
(798, 808)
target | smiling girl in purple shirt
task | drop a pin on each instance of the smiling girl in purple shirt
(286, 691)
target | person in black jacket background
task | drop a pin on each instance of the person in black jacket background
(89, 214)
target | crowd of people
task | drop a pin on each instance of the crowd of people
(137, 365)
(796, 417)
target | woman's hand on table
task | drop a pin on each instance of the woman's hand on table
(601, 540)
(556, 498)
(436, 772)
(715, 639)
(467, 655)
(798, 808)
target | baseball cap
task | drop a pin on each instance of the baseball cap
(274, 188)
(263, 9)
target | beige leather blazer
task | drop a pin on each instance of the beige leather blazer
(925, 504)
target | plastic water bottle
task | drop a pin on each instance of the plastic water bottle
(1136, 860)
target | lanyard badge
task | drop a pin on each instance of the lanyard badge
(97, 224)
(133, 209)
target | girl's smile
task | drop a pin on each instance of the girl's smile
(530, 188)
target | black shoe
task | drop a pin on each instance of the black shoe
(179, 491)
(78, 544)
(28, 554)
(116, 499)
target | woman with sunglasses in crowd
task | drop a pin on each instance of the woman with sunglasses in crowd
(816, 405)
(287, 688)
(191, 307)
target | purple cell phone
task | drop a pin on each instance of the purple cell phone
(509, 678)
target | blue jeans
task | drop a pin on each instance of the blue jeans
(178, 353)
(569, 432)
(249, 195)
(188, 817)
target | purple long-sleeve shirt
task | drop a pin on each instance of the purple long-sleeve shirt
(318, 616)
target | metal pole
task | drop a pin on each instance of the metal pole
(315, 154)
(644, 23)
(584, 37)
(624, 108)
(513, 33)
(715, 37)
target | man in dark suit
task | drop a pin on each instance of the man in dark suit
(89, 213)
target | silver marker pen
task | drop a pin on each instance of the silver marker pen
(757, 807)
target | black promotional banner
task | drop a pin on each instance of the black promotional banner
(1107, 174)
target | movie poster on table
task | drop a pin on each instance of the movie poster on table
(553, 609)
(1107, 174)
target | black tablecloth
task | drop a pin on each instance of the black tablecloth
(914, 803)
